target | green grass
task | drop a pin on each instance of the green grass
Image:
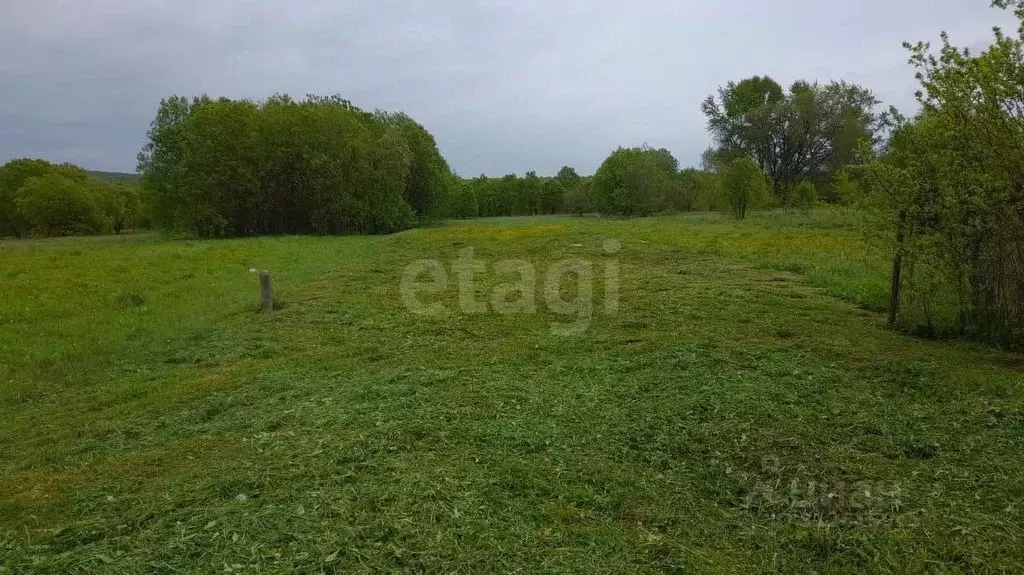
(744, 411)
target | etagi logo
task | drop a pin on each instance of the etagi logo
(518, 294)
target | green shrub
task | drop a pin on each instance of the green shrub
(120, 203)
(56, 205)
(709, 195)
(680, 195)
(14, 175)
(43, 199)
(634, 181)
(744, 185)
(804, 196)
(463, 201)
(847, 192)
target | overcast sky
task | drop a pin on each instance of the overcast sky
(504, 86)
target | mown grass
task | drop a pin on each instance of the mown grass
(744, 411)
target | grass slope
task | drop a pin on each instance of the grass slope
(734, 416)
(115, 177)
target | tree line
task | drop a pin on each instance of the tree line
(38, 198)
(636, 181)
(774, 148)
(221, 167)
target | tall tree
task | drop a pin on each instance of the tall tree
(552, 196)
(160, 159)
(805, 133)
(430, 178)
(529, 195)
(568, 177)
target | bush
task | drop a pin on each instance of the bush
(952, 191)
(681, 195)
(633, 181)
(56, 205)
(804, 196)
(121, 203)
(744, 186)
(847, 192)
(14, 175)
(463, 201)
(43, 199)
(709, 195)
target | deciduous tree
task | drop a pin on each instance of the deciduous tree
(806, 133)
(744, 184)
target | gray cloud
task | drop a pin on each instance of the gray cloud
(504, 86)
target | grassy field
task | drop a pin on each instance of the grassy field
(744, 411)
(116, 177)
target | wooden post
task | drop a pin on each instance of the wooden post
(266, 291)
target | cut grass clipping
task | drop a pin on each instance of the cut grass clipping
(744, 411)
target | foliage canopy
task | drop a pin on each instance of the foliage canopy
(40, 199)
(239, 168)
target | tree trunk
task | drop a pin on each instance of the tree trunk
(897, 273)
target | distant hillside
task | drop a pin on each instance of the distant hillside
(116, 177)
